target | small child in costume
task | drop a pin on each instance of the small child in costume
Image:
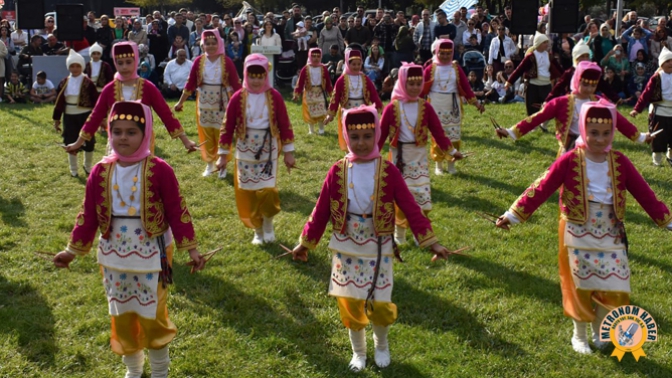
(593, 181)
(445, 86)
(658, 95)
(133, 199)
(357, 197)
(77, 95)
(315, 84)
(409, 121)
(98, 71)
(257, 126)
(351, 90)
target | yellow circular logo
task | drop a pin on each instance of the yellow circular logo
(628, 328)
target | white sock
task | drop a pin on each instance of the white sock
(267, 225)
(311, 129)
(657, 157)
(258, 236)
(382, 348)
(451, 167)
(438, 170)
(160, 362)
(600, 313)
(580, 338)
(358, 342)
(72, 161)
(399, 235)
(134, 363)
(321, 128)
(88, 160)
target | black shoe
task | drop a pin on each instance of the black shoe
(75, 175)
(86, 170)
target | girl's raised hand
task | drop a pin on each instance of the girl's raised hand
(63, 259)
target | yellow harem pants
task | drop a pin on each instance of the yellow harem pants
(209, 135)
(355, 317)
(132, 333)
(253, 205)
(576, 303)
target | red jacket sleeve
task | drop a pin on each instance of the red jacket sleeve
(327, 80)
(420, 225)
(231, 119)
(336, 95)
(105, 101)
(542, 188)
(317, 222)
(373, 94)
(282, 118)
(86, 222)
(301, 85)
(626, 127)
(385, 121)
(192, 81)
(435, 128)
(528, 124)
(641, 191)
(158, 103)
(465, 88)
(175, 208)
(59, 104)
(234, 79)
(561, 86)
(645, 98)
(523, 67)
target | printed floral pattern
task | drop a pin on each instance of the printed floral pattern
(130, 292)
(315, 102)
(212, 102)
(358, 229)
(601, 223)
(124, 242)
(254, 174)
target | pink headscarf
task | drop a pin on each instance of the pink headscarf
(351, 54)
(354, 111)
(220, 43)
(585, 70)
(443, 44)
(256, 60)
(310, 54)
(123, 48)
(399, 91)
(596, 109)
(135, 109)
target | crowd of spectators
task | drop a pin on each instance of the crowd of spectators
(168, 43)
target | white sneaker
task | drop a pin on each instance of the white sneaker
(600, 344)
(320, 131)
(209, 169)
(311, 129)
(438, 170)
(581, 346)
(357, 363)
(382, 357)
(657, 158)
(269, 237)
(258, 237)
(451, 168)
(222, 174)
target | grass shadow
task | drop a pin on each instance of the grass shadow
(12, 212)
(296, 336)
(26, 315)
(514, 281)
(522, 146)
(294, 202)
(421, 308)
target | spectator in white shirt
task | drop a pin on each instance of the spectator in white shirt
(176, 74)
(20, 39)
(471, 30)
(501, 49)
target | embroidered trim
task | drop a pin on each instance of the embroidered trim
(339, 209)
(383, 212)
(308, 243)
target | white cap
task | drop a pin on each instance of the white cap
(664, 56)
(581, 48)
(96, 48)
(74, 58)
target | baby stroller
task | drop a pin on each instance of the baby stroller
(286, 63)
(473, 60)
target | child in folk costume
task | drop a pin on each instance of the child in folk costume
(214, 76)
(133, 199)
(593, 260)
(357, 197)
(658, 94)
(539, 69)
(100, 72)
(351, 89)
(77, 95)
(445, 84)
(315, 84)
(128, 86)
(580, 53)
(409, 120)
(566, 111)
(258, 123)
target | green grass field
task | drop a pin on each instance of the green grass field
(496, 314)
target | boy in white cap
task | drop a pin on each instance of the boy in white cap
(580, 53)
(658, 94)
(100, 72)
(77, 95)
(538, 68)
